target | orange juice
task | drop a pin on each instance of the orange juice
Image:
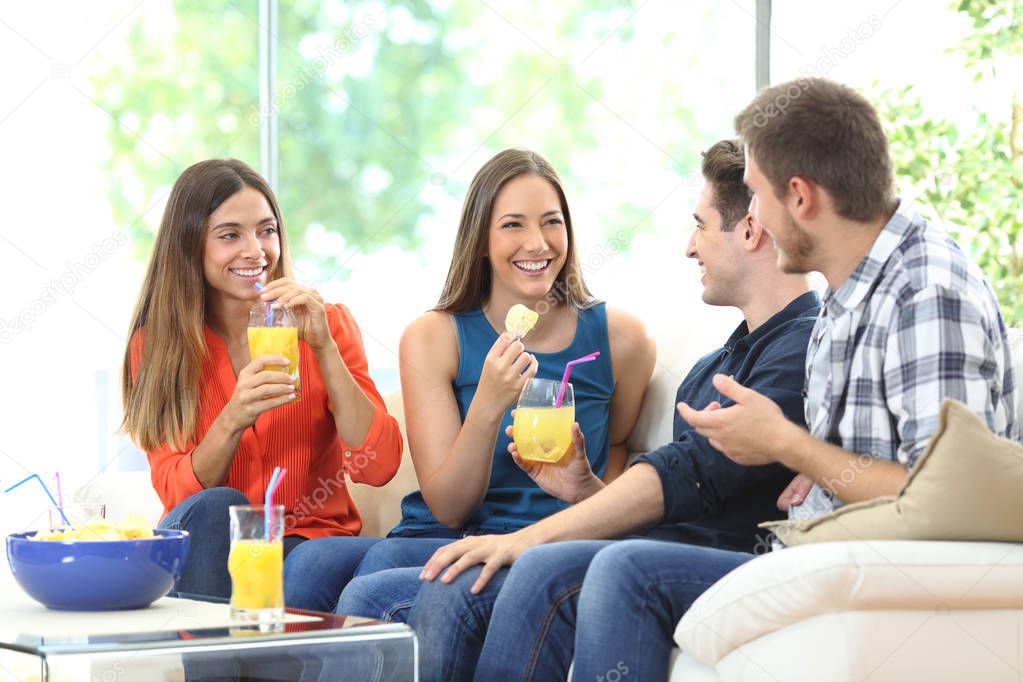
(257, 574)
(543, 434)
(276, 341)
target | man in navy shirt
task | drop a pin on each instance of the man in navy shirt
(713, 501)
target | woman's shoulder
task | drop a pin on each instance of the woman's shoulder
(622, 323)
(430, 341)
(628, 336)
(432, 329)
(137, 339)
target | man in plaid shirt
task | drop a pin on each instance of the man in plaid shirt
(908, 319)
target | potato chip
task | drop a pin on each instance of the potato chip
(135, 527)
(520, 320)
(98, 529)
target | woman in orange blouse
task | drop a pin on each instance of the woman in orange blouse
(213, 425)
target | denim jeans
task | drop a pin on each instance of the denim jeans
(615, 603)
(204, 515)
(387, 580)
(633, 596)
(316, 571)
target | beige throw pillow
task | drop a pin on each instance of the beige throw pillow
(967, 485)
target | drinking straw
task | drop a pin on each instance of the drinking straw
(568, 371)
(60, 495)
(275, 480)
(45, 490)
(269, 308)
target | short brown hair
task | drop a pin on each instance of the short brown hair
(828, 133)
(723, 165)
(469, 275)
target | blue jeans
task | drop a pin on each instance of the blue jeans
(387, 580)
(615, 604)
(204, 515)
(316, 571)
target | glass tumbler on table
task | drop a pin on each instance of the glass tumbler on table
(256, 565)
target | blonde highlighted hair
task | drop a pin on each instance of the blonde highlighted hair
(161, 402)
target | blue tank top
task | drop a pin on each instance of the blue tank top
(513, 500)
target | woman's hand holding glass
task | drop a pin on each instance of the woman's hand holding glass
(257, 391)
(570, 479)
(306, 305)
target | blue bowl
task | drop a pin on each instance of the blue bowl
(98, 575)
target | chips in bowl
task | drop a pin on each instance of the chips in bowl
(97, 529)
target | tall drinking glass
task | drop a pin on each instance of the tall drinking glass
(543, 432)
(274, 332)
(256, 565)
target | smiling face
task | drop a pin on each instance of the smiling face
(794, 244)
(528, 240)
(242, 245)
(718, 252)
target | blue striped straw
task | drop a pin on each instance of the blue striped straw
(45, 489)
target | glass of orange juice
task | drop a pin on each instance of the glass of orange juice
(256, 565)
(543, 432)
(274, 332)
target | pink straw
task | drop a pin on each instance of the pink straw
(568, 371)
(275, 480)
(269, 316)
(60, 495)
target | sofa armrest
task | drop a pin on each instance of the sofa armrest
(782, 588)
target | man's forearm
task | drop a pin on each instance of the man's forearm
(632, 503)
(850, 476)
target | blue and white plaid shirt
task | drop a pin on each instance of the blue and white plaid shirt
(915, 323)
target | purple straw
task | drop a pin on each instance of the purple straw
(568, 370)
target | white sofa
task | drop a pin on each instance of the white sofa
(837, 611)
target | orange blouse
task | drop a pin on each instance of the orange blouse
(301, 436)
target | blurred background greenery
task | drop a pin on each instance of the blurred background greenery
(969, 173)
(387, 109)
(376, 102)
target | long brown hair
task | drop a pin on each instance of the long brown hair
(161, 404)
(469, 278)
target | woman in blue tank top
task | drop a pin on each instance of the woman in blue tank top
(461, 375)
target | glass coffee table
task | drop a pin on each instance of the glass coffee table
(179, 639)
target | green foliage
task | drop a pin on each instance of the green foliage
(372, 101)
(175, 99)
(970, 178)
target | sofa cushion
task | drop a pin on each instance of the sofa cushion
(678, 349)
(380, 508)
(781, 588)
(893, 645)
(965, 486)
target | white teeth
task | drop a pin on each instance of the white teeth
(248, 273)
(532, 266)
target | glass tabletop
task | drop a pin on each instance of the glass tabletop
(299, 626)
(58, 646)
